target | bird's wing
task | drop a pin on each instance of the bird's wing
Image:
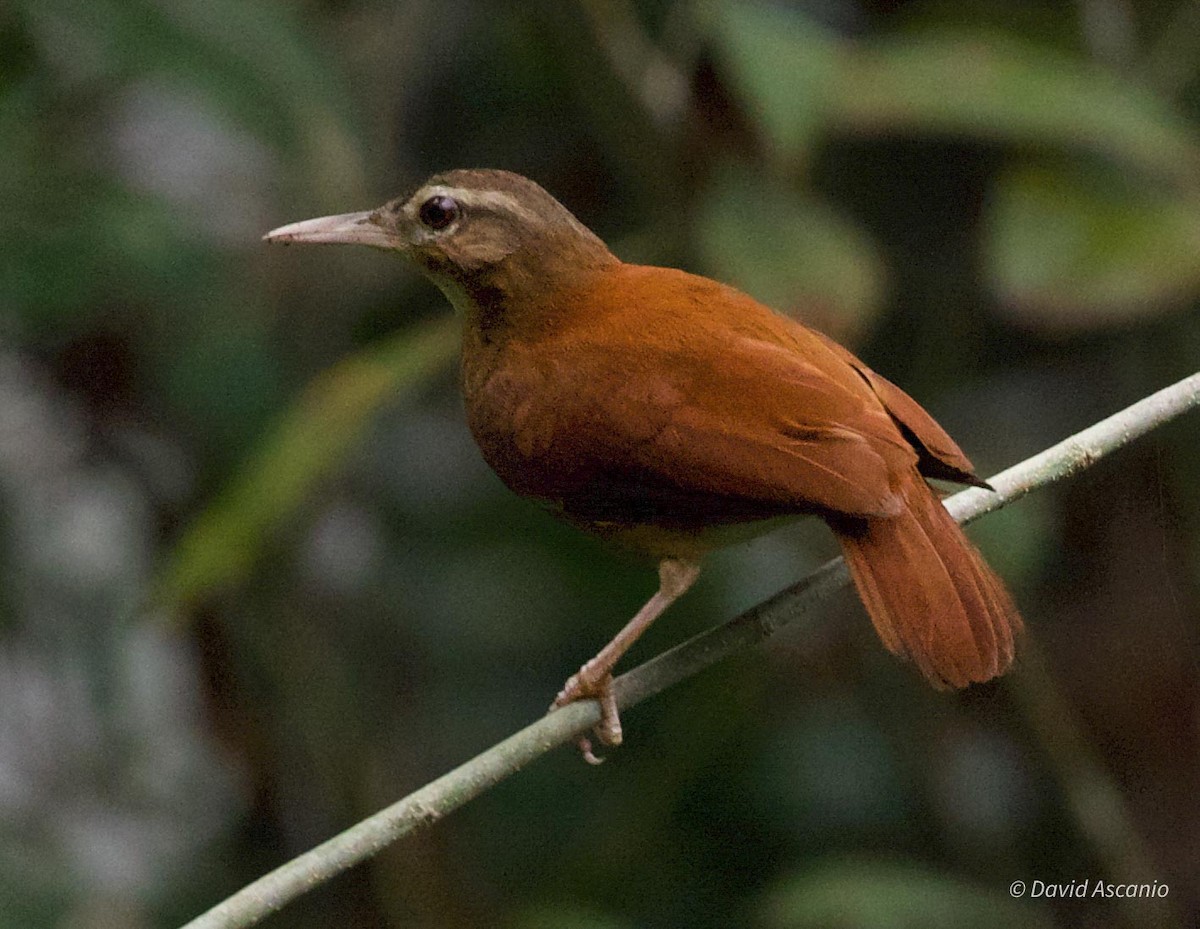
(940, 455)
(710, 424)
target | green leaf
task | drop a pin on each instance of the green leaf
(862, 895)
(309, 441)
(1070, 250)
(801, 82)
(783, 65)
(789, 250)
(993, 87)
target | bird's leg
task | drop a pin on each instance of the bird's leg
(594, 679)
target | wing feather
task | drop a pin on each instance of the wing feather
(758, 424)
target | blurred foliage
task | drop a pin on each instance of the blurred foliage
(809, 260)
(880, 896)
(314, 437)
(803, 83)
(996, 204)
(1081, 248)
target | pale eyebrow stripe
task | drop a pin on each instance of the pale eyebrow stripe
(493, 200)
(488, 199)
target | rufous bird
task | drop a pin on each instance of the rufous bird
(673, 414)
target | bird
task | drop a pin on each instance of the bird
(673, 415)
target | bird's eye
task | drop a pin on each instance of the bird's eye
(439, 212)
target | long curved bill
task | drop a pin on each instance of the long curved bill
(346, 229)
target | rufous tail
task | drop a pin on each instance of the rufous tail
(929, 593)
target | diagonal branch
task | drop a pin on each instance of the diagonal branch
(450, 791)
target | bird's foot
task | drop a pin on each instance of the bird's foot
(594, 680)
(593, 683)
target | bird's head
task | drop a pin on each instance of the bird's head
(467, 229)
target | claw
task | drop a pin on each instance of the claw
(608, 729)
(585, 749)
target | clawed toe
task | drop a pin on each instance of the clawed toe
(594, 680)
(585, 749)
(608, 729)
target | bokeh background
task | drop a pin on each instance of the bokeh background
(257, 581)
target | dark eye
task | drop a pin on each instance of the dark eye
(439, 212)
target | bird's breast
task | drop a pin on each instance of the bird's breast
(512, 415)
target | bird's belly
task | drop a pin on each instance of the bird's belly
(635, 511)
(665, 541)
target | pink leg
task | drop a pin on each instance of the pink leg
(594, 679)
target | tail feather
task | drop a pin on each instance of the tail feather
(929, 593)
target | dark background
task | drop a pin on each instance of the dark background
(257, 582)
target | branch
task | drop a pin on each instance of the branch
(450, 791)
